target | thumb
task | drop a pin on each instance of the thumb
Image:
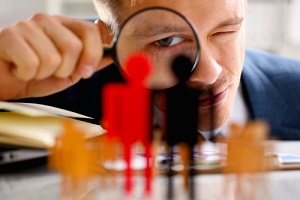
(105, 61)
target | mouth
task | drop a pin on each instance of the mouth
(214, 100)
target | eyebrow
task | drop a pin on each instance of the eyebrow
(231, 21)
(149, 31)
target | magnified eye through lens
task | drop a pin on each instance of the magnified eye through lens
(163, 35)
(169, 41)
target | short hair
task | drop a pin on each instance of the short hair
(109, 12)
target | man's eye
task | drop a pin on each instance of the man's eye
(224, 33)
(169, 41)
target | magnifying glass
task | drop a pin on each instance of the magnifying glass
(162, 34)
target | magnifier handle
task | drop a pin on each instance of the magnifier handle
(108, 52)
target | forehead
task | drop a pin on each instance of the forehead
(201, 9)
(200, 6)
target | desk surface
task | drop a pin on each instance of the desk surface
(39, 183)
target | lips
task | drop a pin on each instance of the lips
(214, 100)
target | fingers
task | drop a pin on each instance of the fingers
(92, 49)
(68, 44)
(14, 48)
(47, 46)
(49, 60)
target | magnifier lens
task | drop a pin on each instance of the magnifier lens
(162, 35)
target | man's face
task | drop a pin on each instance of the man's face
(221, 31)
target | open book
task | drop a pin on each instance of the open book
(36, 125)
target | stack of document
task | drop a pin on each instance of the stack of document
(36, 125)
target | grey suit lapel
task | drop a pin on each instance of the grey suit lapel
(264, 99)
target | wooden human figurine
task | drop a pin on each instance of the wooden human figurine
(246, 158)
(74, 160)
(127, 112)
(182, 119)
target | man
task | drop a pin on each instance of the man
(48, 54)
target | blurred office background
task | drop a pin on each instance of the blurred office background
(273, 25)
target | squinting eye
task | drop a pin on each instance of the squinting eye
(224, 33)
(169, 41)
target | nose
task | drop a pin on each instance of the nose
(207, 70)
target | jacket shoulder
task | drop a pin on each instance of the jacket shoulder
(270, 63)
(271, 85)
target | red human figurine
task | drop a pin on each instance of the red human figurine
(127, 112)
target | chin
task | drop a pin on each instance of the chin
(217, 116)
(213, 119)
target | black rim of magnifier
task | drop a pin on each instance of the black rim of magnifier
(112, 52)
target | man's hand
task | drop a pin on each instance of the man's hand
(47, 54)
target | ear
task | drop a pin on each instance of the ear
(106, 33)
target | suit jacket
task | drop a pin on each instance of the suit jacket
(271, 89)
